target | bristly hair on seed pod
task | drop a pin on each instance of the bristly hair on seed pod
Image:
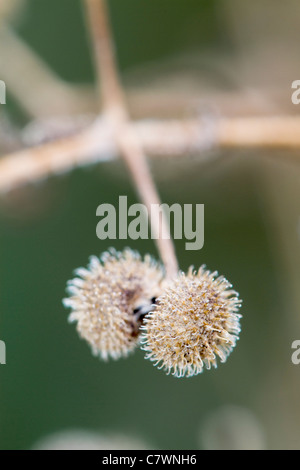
(110, 299)
(194, 321)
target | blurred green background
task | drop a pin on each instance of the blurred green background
(51, 382)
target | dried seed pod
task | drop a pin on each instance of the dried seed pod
(110, 299)
(195, 320)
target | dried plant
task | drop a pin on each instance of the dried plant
(110, 299)
(191, 319)
(195, 321)
(97, 136)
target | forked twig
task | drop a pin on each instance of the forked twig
(113, 132)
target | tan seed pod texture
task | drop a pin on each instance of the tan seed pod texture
(110, 298)
(194, 322)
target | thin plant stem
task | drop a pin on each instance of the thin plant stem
(108, 81)
(128, 142)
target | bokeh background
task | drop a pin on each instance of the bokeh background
(201, 52)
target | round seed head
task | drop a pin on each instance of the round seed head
(194, 322)
(110, 299)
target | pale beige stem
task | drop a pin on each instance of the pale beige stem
(158, 139)
(126, 138)
(104, 55)
(34, 164)
(142, 178)
(180, 137)
(270, 131)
